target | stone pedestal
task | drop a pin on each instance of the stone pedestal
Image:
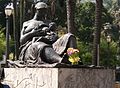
(59, 78)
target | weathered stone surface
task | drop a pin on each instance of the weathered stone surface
(59, 78)
(31, 77)
(86, 78)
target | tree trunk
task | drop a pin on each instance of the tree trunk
(52, 9)
(98, 23)
(16, 29)
(70, 15)
(21, 13)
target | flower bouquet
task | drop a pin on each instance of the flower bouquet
(73, 55)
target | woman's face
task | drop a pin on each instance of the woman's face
(42, 12)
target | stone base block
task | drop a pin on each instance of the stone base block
(59, 78)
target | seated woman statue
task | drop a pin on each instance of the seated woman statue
(39, 42)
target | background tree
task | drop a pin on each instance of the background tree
(2, 42)
(60, 9)
(70, 15)
(98, 26)
(85, 19)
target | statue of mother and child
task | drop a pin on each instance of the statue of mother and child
(40, 44)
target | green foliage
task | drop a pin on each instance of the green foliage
(108, 3)
(85, 19)
(111, 4)
(85, 53)
(108, 52)
(114, 32)
(3, 3)
(60, 17)
(84, 16)
(2, 42)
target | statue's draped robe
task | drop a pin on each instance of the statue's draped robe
(32, 51)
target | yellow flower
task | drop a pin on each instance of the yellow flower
(76, 59)
(73, 55)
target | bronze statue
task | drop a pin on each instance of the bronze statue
(39, 42)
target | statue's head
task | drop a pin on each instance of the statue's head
(41, 5)
(41, 9)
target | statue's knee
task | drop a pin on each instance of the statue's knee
(51, 56)
(72, 42)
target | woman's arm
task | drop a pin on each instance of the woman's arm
(25, 36)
